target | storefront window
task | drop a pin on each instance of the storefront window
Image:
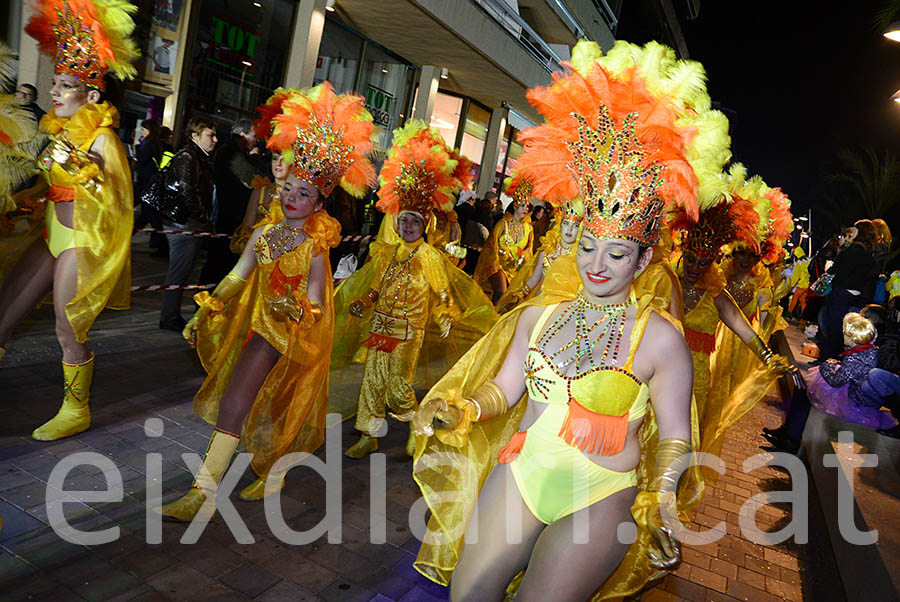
(474, 134)
(339, 54)
(383, 83)
(445, 117)
(238, 57)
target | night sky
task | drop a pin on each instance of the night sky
(799, 81)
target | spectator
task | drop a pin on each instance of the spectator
(465, 207)
(148, 156)
(852, 268)
(233, 175)
(539, 222)
(837, 387)
(165, 143)
(881, 246)
(191, 170)
(28, 95)
(800, 283)
(889, 338)
(475, 233)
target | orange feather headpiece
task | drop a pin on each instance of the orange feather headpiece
(264, 125)
(627, 133)
(780, 224)
(325, 138)
(519, 187)
(87, 38)
(727, 222)
(463, 171)
(419, 174)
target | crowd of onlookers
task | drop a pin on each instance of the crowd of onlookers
(847, 292)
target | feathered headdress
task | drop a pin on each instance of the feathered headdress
(573, 210)
(88, 38)
(326, 139)
(463, 171)
(630, 133)
(264, 125)
(418, 174)
(19, 139)
(725, 223)
(779, 224)
(519, 187)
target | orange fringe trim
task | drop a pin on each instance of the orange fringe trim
(511, 450)
(379, 342)
(60, 194)
(592, 432)
(700, 341)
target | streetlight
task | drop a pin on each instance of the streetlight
(893, 32)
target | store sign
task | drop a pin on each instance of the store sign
(379, 104)
(232, 46)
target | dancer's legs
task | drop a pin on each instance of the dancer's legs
(253, 367)
(65, 285)
(26, 285)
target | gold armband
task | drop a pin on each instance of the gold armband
(672, 456)
(316, 312)
(372, 295)
(489, 401)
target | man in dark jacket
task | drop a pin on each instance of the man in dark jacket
(233, 174)
(28, 95)
(190, 167)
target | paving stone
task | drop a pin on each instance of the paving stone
(250, 580)
(180, 582)
(343, 590)
(287, 592)
(301, 571)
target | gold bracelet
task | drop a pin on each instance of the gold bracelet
(489, 401)
(316, 312)
(372, 295)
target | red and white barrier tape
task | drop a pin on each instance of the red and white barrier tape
(348, 238)
(170, 287)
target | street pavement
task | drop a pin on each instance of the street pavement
(145, 373)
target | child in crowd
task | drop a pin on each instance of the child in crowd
(836, 386)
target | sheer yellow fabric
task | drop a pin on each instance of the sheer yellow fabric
(20, 228)
(288, 414)
(738, 380)
(103, 217)
(450, 470)
(503, 253)
(704, 319)
(472, 313)
(551, 250)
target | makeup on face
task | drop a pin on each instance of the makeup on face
(299, 199)
(68, 95)
(608, 266)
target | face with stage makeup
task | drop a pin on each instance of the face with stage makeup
(69, 94)
(694, 267)
(568, 232)
(520, 211)
(744, 259)
(608, 266)
(299, 199)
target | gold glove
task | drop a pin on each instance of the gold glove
(444, 321)
(672, 457)
(486, 402)
(73, 161)
(516, 298)
(776, 364)
(288, 305)
(359, 307)
(227, 288)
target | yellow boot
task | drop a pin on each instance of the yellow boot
(74, 415)
(256, 490)
(365, 446)
(218, 456)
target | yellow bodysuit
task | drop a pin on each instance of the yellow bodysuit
(451, 467)
(701, 318)
(587, 413)
(102, 217)
(288, 413)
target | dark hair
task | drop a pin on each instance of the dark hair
(893, 307)
(165, 133)
(878, 316)
(241, 126)
(152, 126)
(197, 124)
(31, 88)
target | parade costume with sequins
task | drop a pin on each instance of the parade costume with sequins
(594, 112)
(415, 288)
(507, 248)
(288, 413)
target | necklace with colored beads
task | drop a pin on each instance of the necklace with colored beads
(283, 239)
(611, 325)
(691, 296)
(742, 292)
(398, 270)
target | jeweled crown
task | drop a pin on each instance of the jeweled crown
(76, 50)
(415, 187)
(519, 188)
(320, 155)
(618, 185)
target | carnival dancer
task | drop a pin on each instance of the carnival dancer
(264, 335)
(444, 233)
(737, 379)
(560, 241)
(584, 390)
(407, 288)
(264, 190)
(511, 242)
(85, 256)
(706, 302)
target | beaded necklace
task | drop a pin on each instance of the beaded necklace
(283, 239)
(516, 230)
(741, 291)
(611, 323)
(395, 271)
(691, 296)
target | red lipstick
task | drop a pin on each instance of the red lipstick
(597, 278)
